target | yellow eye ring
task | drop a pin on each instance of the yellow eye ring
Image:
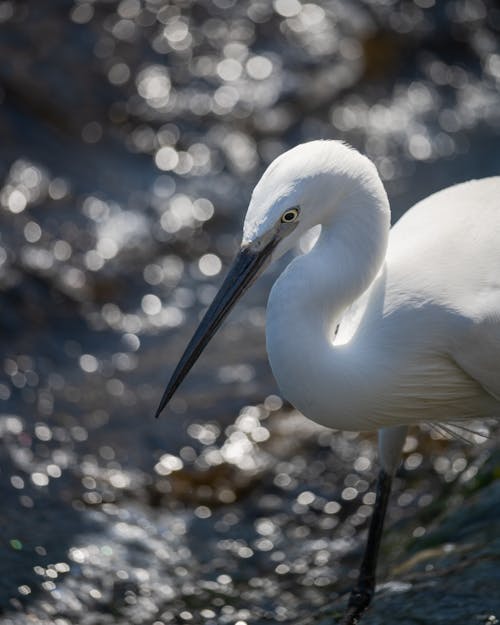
(290, 215)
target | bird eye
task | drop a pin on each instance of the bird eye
(290, 215)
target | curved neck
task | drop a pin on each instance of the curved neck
(310, 298)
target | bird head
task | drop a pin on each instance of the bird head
(299, 190)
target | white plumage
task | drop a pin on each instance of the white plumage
(373, 329)
(419, 333)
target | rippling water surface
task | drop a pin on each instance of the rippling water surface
(132, 133)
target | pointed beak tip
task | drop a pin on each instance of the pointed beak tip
(163, 403)
(246, 267)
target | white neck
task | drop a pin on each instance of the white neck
(311, 296)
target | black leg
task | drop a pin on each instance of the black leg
(362, 595)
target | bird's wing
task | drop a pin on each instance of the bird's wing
(446, 249)
(479, 353)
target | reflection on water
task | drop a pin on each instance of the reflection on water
(132, 134)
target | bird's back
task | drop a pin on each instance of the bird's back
(442, 288)
(449, 245)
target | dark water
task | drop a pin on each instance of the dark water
(131, 135)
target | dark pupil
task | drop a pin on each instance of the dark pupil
(289, 216)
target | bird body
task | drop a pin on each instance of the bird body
(373, 329)
(421, 343)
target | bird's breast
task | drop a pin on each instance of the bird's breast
(392, 370)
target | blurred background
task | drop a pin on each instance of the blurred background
(131, 135)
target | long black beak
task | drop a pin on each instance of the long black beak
(247, 266)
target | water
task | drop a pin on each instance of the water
(132, 135)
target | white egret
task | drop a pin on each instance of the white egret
(373, 329)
